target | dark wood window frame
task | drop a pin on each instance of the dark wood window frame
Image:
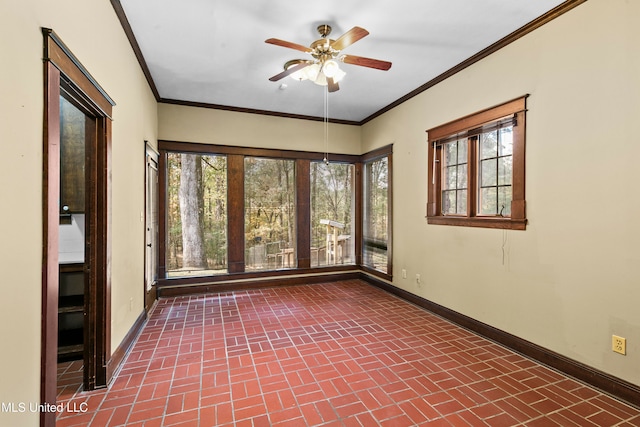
(366, 158)
(235, 203)
(468, 125)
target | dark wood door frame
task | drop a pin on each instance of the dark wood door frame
(62, 71)
(150, 206)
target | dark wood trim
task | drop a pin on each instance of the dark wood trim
(191, 147)
(515, 108)
(117, 7)
(102, 263)
(50, 219)
(389, 272)
(63, 71)
(162, 214)
(358, 211)
(58, 53)
(97, 330)
(518, 198)
(477, 119)
(303, 213)
(171, 291)
(377, 153)
(372, 156)
(249, 275)
(255, 111)
(483, 222)
(235, 205)
(127, 343)
(617, 387)
(368, 271)
(505, 41)
(149, 297)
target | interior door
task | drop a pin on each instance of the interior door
(151, 228)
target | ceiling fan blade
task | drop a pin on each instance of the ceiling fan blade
(289, 71)
(366, 62)
(332, 85)
(290, 45)
(349, 38)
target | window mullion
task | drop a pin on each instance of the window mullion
(472, 176)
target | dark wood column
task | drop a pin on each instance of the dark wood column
(235, 219)
(303, 213)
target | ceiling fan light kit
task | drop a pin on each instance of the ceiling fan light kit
(323, 69)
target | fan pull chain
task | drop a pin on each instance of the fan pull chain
(326, 126)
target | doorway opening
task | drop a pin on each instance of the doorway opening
(151, 228)
(76, 313)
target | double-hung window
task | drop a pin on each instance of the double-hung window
(476, 169)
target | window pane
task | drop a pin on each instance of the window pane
(504, 201)
(462, 152)
(462, 177)
(496, 172)
(454, 177)
(461, 208)
(451, 153)
(505, 170)
(269, 204)
(488, 173)
(449, 202)
(489, 201)
(376, 214)
(451, 178)
(196, 215)
(332, 208)
(506, 141)
(488, 145)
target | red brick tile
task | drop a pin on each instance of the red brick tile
(501, 420)
(339, 354)
(447, 408)
(386, 412)
(614, 407)
(285, 415)
(546, 406)
(413, 413)
(604, 419)
(241, 413)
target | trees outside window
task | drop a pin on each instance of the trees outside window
(270, 214)
(235, 211)
(332, 208)
(376, 215)
(196, 214)
(476, 169)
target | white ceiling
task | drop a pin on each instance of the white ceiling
(213, 51)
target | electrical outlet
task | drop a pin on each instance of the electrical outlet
(418, 279)
(404, 273)
(619, 344)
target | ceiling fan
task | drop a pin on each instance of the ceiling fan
(322, 68)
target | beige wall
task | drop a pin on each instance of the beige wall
(567, 283)
(81, 25)
(572, 279)
(207, 126)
